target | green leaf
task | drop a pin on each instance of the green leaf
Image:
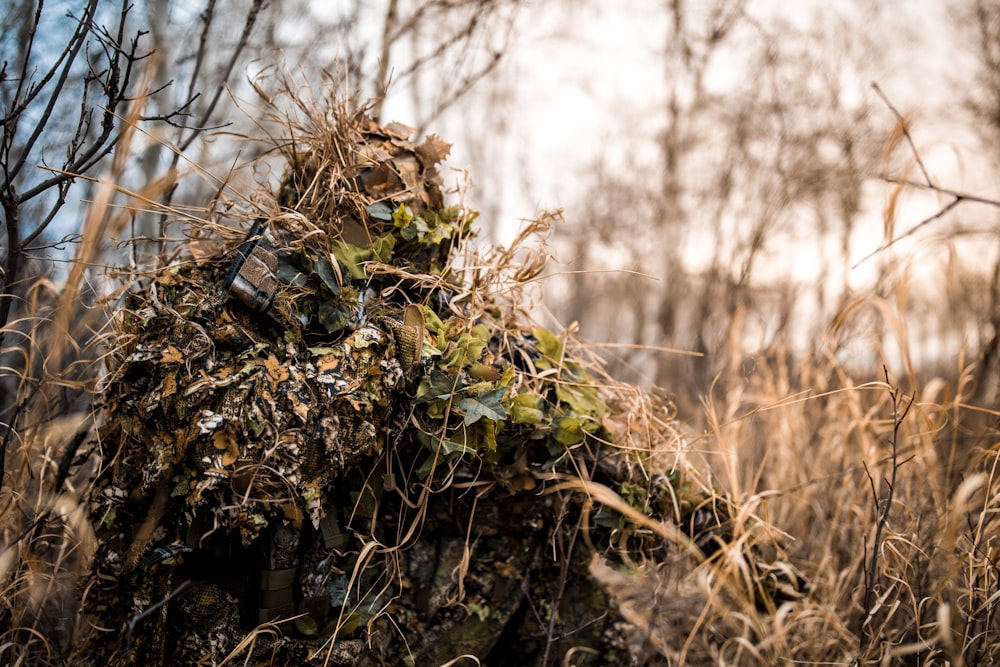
(482, 612)
(291, 271)
(635, 495)
(438, 227)
(380, 211)
(402, 216)
(449, 447)
(334, 318)
(474, 410)
(351, 258)
(445, 447)
(409, 232)
(477, 340)
(437, 235)
(424, 470)
(494, 400)
(550, 347)
(108, 520)
(181, 488)
(307, 625)
(466, 350)
(383, 247)
(527, 408)
(479, 371)
(432, 322)
(487, 433)
(525, 415)
(582, 399)
(325, 272)
(437, 385)
(568, 431)
(609, 518)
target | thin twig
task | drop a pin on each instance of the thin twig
(957, 198)
(912, 230)
(882, 508)
(906, 133)
(248, 25)
(964, 196)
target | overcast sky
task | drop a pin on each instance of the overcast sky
(587, 83)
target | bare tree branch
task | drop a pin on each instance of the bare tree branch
(248, 25)
(957, 198)
(904, 124)
(72, 105)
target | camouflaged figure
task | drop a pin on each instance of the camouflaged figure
(239, 490)
(301, 465)
(252, 500)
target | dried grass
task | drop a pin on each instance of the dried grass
(804, 446)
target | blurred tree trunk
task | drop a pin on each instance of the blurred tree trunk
(985, 104)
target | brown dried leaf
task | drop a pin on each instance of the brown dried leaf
(167, 278)
(169, 385)
(300, 408)
(433, 150)
(433, 177)
(366, 124)
(523, 483)
(409, 170)
(275, 370)
(204, 249)
(372, 154)
(224, 442)
(399, 130)
(381, 181)
(171, 355)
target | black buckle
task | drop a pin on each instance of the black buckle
(252, 279)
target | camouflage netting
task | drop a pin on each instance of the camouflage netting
(341, 441)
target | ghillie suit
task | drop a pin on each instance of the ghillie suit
(339, 442)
